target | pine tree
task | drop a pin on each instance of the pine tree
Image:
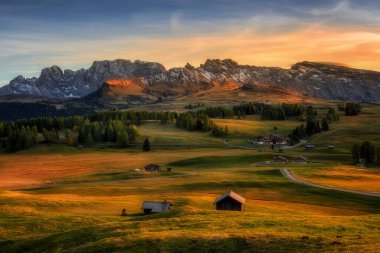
(89, 139)
(356, 153)
(146, 145)
(122, 139)
(325, 125)
(368, 152)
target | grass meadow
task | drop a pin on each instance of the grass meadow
(62, 199)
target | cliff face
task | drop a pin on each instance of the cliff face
(318, 80)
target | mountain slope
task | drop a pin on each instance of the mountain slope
(154, 82)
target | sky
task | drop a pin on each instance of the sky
(73, 33)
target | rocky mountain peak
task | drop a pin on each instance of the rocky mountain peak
(321, 80)
(216, 65)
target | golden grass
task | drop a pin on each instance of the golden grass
(345, 177)
(17, 171)
(252, 126)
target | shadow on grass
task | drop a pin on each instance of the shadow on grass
(218, 161)
(95, 240)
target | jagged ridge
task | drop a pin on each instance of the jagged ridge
(319, 80)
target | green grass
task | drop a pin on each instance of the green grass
(222, 161)
(80, 212)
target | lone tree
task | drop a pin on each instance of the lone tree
(365, 152)
(146, 145)
(325, 125)
(368, 152)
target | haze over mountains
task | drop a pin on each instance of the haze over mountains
(150, 81)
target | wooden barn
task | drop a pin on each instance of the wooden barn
(152, 167)
(280, 159)
(150, 207)
(230, 201)
(331, 146)
(300, 159)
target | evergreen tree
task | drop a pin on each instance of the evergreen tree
(325, 125)
(69, 138)
(368, 152)
(122, 139)
(356, 153)
(89, 139)
(146, 145)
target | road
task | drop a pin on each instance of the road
(286, 173)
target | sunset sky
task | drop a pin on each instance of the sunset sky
(73, 33)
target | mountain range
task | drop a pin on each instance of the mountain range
(124, 81)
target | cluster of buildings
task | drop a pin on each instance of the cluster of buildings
(271, 140)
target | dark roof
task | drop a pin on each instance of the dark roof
(280, 157)
(233, 195)
(301, 157)
(151, 166)
(156, 207)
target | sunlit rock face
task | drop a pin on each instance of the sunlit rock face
(321, 80)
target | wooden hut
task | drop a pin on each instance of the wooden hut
(169, 169)
(280, 159)
(331, 146)
(230, 201)
(150, 207)
(300, 159)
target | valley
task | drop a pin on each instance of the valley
(54, 194)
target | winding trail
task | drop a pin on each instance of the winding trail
(286, 173)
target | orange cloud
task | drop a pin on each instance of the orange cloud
(350, 46)
(353, 47)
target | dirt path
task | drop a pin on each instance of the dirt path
(286, 173)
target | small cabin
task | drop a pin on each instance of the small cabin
(280, 159)
(330, 147)
(150, 207)
(169, 169)
(230, 201)
(309, 147)
(152, 167)
(300, 159)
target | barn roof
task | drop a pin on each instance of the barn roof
(231, 194)
(156, 207)
(280, 157)
(151, 165)
(301, 157)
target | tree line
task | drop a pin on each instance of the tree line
(200, 122)
(18, 110)
(313, 126)
(350, 109)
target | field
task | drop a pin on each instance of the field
(345, 177)
(63, 199)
